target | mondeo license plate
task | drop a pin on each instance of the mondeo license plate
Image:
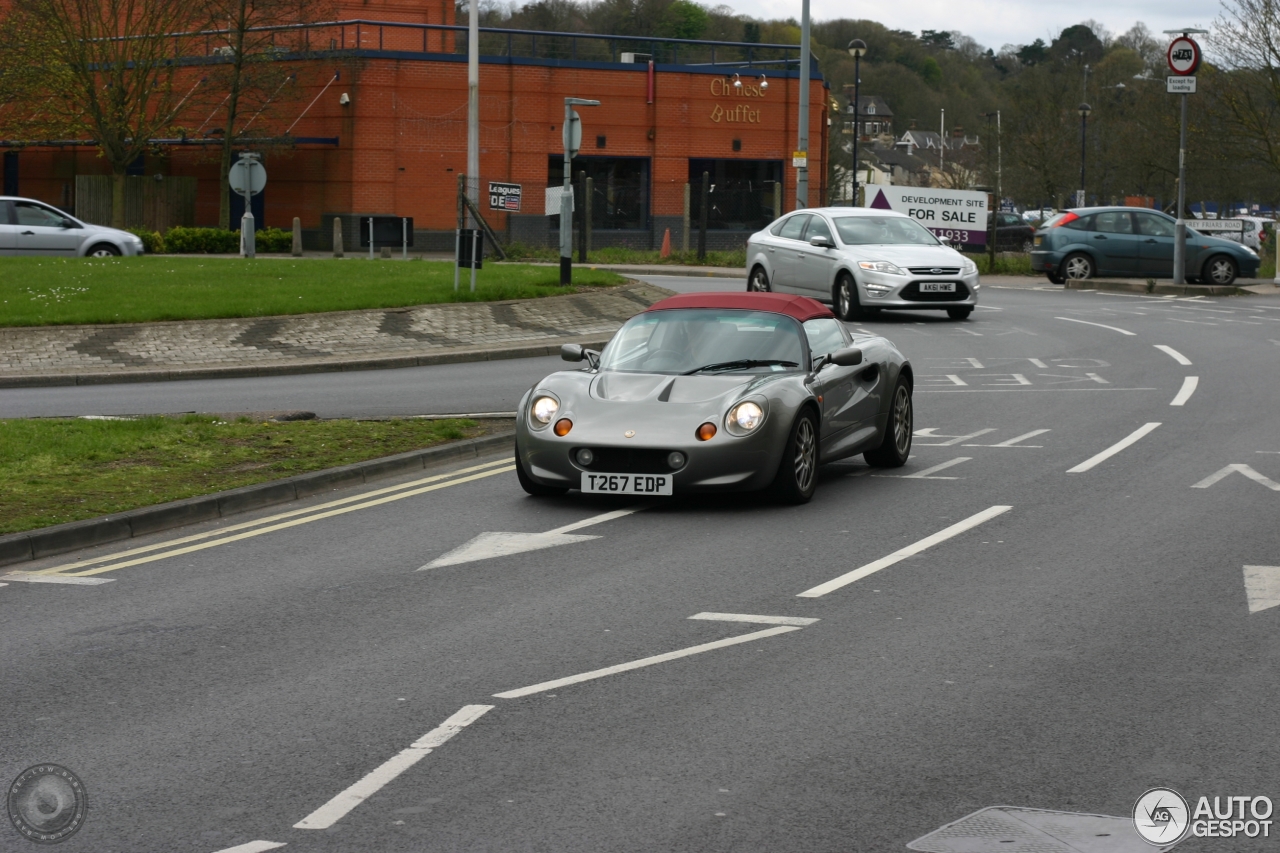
(627, 484)
(937, 287)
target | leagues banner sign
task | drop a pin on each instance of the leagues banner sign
(952, 215)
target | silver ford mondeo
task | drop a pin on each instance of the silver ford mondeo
(716, 392)
(861, 260)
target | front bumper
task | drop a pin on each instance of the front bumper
(724, 463)
(881, 290)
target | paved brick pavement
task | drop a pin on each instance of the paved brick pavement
(472, 331)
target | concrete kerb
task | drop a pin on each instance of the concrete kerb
(1157, 288)
(62, 538)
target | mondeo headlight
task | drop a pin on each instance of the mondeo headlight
(744, 418)
(881, 266)
(969, 267)
(544, 408)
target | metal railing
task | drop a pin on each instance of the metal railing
(362, 36)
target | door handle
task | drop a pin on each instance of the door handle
(1152, 240)
(1099, 236)
(28, 233)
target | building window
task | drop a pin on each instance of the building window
(620, 189)
(741, 197)
(11, 173)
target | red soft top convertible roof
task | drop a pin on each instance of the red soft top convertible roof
(801, 307)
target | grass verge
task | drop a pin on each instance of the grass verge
(615, 255)
(55, 291)
(58, 470)
(1007, 263)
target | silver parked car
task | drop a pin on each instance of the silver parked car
(29, 227)
(861, 260)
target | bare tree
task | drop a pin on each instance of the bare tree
(106, 69)
(1246, 44)
(250, 81)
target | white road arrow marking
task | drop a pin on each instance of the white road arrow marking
(927, 472)
(490, 544)
(955, 439)
(1262, 585)
(1237, 469)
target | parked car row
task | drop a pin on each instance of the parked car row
(1126, 241)
(29, 227)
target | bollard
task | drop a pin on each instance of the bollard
(297, 237)
(337, 237)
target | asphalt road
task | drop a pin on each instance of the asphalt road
(1093, 640)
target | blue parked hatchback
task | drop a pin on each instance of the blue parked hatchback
(1132, 243)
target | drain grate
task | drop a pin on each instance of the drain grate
(1010, 829)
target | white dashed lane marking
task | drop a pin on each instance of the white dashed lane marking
(902, 553)
(759, 620)
(1132, 438)
(32, 577)
(337, 808)
(254, 847)
(1184, 393)
(1099, 325)
(927, 473)
(1177, 356)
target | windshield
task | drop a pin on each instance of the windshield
(717, 340)
(883, 230)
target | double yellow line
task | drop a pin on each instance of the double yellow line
(270, 524)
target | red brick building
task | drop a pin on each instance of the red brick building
(377, 124)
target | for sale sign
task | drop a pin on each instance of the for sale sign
(954, 216)
(504, 197)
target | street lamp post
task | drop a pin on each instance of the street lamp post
(857, 49)
(1084, 111)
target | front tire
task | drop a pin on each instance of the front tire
(534, 488)
(895, 447)
(1077, 267)
(759, 281)
(1220, 270)
(959, 313)
(103, 250)
(1054, 278)
(845, 299)
(797, 477)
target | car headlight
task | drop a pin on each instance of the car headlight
(543, 410)
(744, 418)
(968, 267)
(881, 266)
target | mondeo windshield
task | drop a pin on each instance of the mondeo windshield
(883, 231)
(705, 341)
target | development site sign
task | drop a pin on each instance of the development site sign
(954, 216)
(504, 197)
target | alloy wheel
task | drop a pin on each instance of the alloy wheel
(806, 453)
(759, 282)
(902, 421)
(1078, 268)
(1221, 271)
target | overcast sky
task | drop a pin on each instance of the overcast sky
(994, 23)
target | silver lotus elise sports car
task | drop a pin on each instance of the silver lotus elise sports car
(716, 392)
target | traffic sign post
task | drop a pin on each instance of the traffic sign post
(572, 136)
(248, 177)
(1184, 59)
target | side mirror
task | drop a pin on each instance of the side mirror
(848, 357)
(822, 242)
(572, 352)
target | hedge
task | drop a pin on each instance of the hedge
(152, 242)
(215, 241)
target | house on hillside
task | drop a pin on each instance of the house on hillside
(871, 116)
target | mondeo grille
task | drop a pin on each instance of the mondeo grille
(935, 270)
